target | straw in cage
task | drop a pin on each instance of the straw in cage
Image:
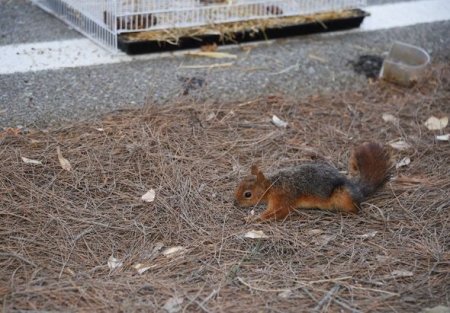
(228, 30)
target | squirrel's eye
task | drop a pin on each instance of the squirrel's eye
(248, 194)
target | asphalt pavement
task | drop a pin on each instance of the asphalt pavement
(296, 67)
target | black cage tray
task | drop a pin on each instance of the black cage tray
(134, 46)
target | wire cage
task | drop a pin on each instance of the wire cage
(104, 20)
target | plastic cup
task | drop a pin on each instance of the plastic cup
(405, 64)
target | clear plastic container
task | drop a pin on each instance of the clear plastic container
(405, 64)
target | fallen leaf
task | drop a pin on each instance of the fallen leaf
(149, 196)
(403, 162)
(410, 299)
(114, 263)
(65, 164)
(445, 137)
(382, 258)
(247, 48)
(10, 131)
(315, 57)
(255, 234)
(100, 129)
(209, 47)
(211, 116)
(437, 309)
(155, 251)
(173, 251)
(211, 54)
(209, 66)
(173, 305)
(141, 268)
(278, 122)
(31, 161)
(434, 123)
(157, 247)
(402, 273)
(315, 232)
(4, 291)
(322, 239)
(400, 145)
(411, 180)
(368, 235)
(285, 294)
(387, 117)
(69, 271)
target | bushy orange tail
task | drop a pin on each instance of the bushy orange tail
(370, 163)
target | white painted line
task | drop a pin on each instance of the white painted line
(54, 55)
(403, 14)
(74, 53)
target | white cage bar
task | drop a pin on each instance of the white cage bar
(103, 20)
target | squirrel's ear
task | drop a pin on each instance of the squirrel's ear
(260, 178)
(259, 175)
(254, 170)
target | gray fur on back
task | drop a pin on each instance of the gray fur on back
(316, 179)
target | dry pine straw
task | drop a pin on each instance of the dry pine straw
(58, 228)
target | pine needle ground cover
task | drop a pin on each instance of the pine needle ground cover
(135, 212)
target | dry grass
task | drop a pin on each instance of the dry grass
(59, 228)
(227, 31)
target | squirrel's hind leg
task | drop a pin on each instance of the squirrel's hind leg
(342, 200)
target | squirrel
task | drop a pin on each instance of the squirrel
(316, 185)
